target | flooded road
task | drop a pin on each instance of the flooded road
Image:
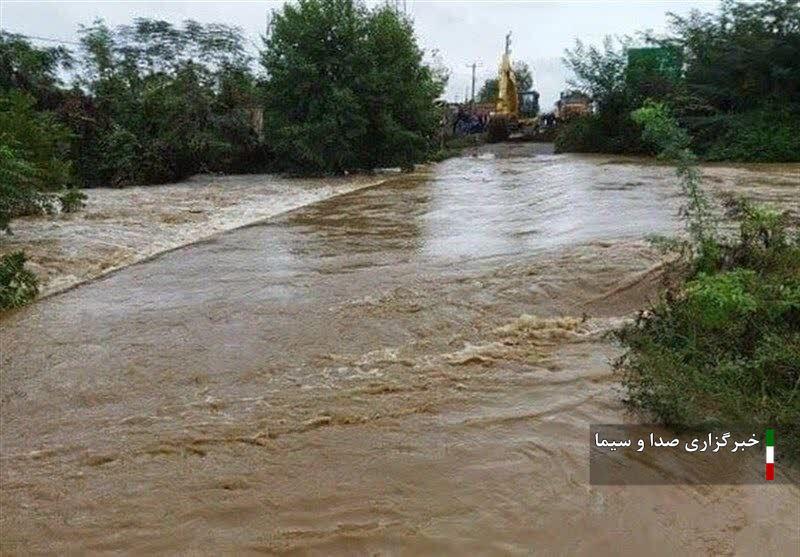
(406, 369)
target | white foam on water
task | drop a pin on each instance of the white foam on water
(120, 227)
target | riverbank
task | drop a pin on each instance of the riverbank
(120, 227)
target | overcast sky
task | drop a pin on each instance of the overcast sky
(462, 31)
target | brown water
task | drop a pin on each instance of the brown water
(406, 369)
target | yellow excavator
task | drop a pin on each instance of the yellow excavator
(506, 116)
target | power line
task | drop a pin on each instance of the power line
(36, 38)
(62, 41)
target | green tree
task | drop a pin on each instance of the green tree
(742, 98)
(600, 73)
(524, 76)
(488, 91)
(733, 80)
(32, 162)
(34, 144)
(347, 87)
(401, 93)
(33, 70)
(743, 57)
(167, 101)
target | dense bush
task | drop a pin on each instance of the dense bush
(18, 192)
(32, 157)
(725, 347)
(42, 140)
(739, 93)
(743, 57)
(347, 88)
(604, 132)
(761, 135)
(18, 286)
(165, 102)
(150, 103)
(34, 142)
(72, 200)
(32, 168)
(723, 344)
(601, 73)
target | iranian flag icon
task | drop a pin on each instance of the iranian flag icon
(770, 444)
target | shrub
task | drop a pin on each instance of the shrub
(721, 299)
(724, 346)
(121, 157)
(18, 180)
(18, 286)
(602, 133)
(765, 135)
(737, 87)
(661, 129)
(72, 200)
(32, 145)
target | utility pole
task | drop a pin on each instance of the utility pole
(473, 66)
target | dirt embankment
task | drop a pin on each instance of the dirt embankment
(119, 227)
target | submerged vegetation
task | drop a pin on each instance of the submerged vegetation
(723, 344)
(18, 286)
(733, 81)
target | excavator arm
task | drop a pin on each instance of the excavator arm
(507, 109)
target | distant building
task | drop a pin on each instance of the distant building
(571, 104)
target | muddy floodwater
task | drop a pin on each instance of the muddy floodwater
(407, 369)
